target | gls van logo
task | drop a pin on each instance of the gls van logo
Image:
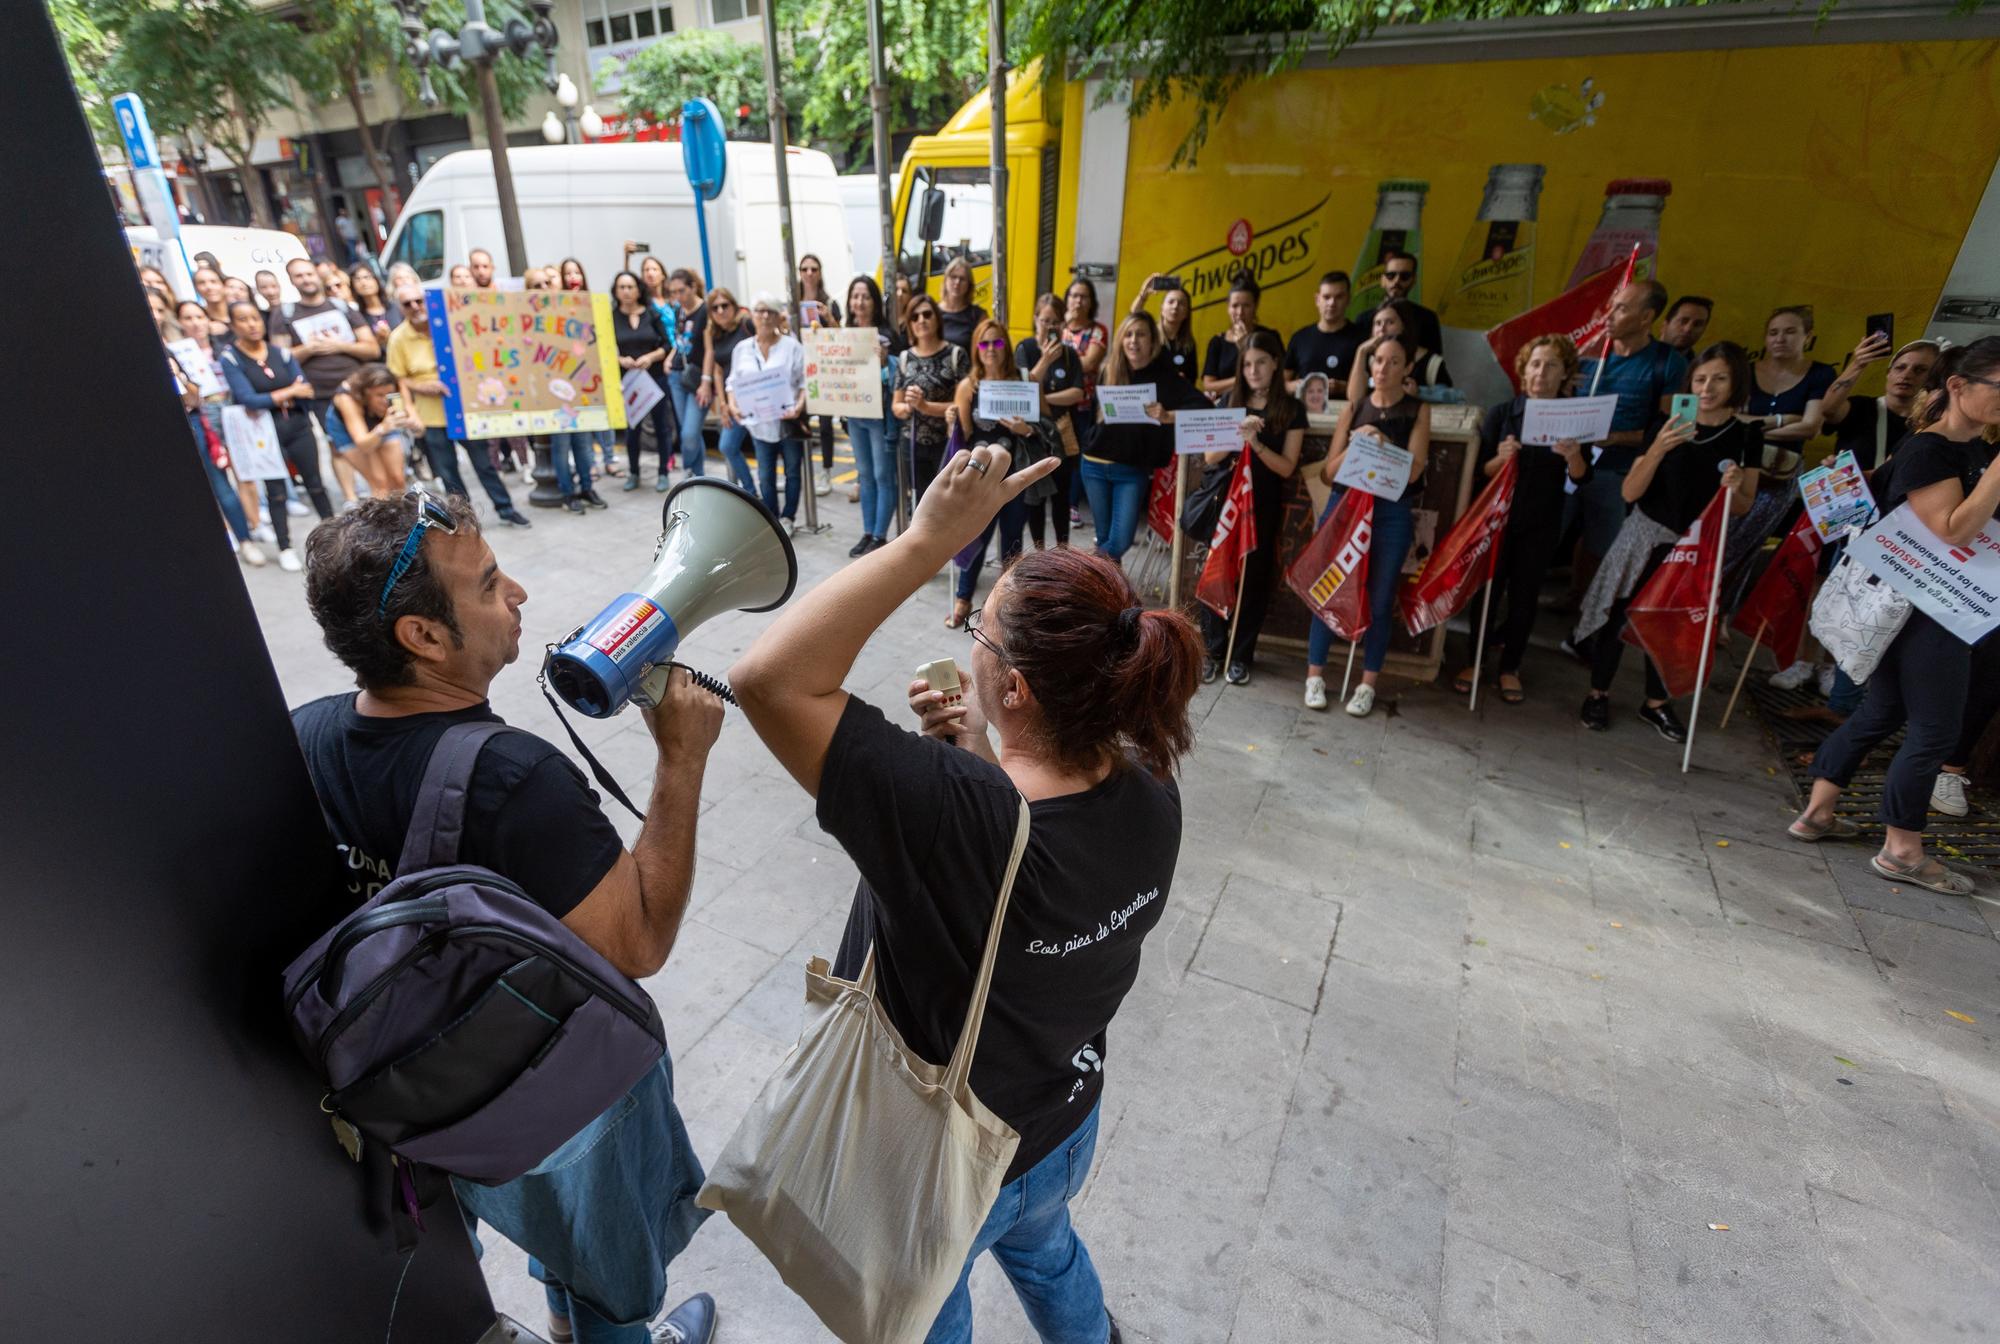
(1271, 254)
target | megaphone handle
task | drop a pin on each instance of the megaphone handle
(653, 686)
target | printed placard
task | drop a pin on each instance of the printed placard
(1126, 404)
(252, 439)
(537, 361)
(327, 326)
(844, 372)
(765, 395)
(1375, 465)
(1219, 430)
(642, 394)
(1001, 399)
(1956, 586)
(1549, 420)
(1836, 496)
(199, 368)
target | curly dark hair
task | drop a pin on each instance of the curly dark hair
(348, 559)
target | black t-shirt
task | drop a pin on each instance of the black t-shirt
(1540, 478)
(324, 372)
(1870, 425)
(1688, 477)
(1064, 373)
(1147, 445)
(930, 827)
(1329, 352)
(1926, 459)
(690, 338)
(724, 347)
(958, 327)
(529, 816)
(1220, 361)
(640, 333)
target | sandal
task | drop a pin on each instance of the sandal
(1462, 683)
(1840, 828)
(960, 609)
(1930, 875)
(1511, 695)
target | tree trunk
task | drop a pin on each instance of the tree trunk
(384, 176)
(240, 140)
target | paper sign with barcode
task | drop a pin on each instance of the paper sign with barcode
(1003, 400)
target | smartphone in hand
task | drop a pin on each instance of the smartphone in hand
(1885, 323)
(1684, 406)
(1167, 282)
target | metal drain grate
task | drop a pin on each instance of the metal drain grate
(1972, 839)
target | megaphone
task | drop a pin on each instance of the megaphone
(719, 550)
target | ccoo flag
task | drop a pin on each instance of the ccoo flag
(1464, 559)
(1331, 574)
(1669, 615)
(1774, 614)
(1582, 313)
(1235, 538)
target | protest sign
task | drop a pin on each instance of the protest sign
(1549, 420)
(1213, 431)
(1374, 465)
(539, 361)
(765, 395)
(642, 393)
(1836, 496)
(198, 367)
(1000, 399)
(1956, 586)
(844, 372)
(328, 326)
(252, 440)
(1126, 404)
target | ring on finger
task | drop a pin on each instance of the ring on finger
(976, 465)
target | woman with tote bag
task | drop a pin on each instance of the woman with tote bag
(874, 1188)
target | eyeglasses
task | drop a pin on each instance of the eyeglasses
(1399, 275)
(992, 345)
(973, 620)
(1975, 378)
(923, 315)
(412, 303)
(430, 514)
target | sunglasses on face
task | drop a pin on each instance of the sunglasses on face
(924, 315)
(412, 303)
(430, 514)
(992, 345)
(1399, 275)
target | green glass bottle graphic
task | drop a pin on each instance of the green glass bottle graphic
(1494, 278)
(1398, 226)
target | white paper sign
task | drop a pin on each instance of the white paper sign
(1213, 431)
(198, 367)
(1127, 403)
(1550, 419)
(1003, 400)
(1375, 465)
(844, 371)
(1956, 586)
(642, 394)
(252, 440)
(764, 394)
(330, 326)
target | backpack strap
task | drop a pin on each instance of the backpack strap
(438, 823)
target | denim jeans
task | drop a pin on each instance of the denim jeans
(733, 439)
(689, 414)
(1117, 501)
(571, 454)
(605, 1213)
(442, 451)
(606, 443)
(794, 451)
(874, 443)
(1395, 527)
(218, 481)
(1030, 1236)
(1011, 521)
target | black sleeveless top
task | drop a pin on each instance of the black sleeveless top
(1393, 424)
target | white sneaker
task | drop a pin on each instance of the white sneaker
(1826, 679)
(1793, 677)
(251, 554)
(264, 534)
(296, 509)
(822, 486)
(288, 560)
(1315, 692)
(1948, 794)
(791, 528)
(349, 505)
(1362, 702)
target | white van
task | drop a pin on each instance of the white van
(242, 252)
(586, 201)
(859, 194)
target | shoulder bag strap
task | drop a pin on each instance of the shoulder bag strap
(438, 822)
(975, 1012)
(1881, 431)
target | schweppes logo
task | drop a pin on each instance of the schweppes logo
(1271, 253)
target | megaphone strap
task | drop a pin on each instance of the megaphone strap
(604, 778)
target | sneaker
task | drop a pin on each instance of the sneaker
(821, 485)
(296, 509)
(251, 554)
(631, 483)
(349, 505)
(1793, 677)
(264, 534)
(1238, 674)
(1580, 652)
(1825, 679)
(692, 1322)
(1665, 722)
(1596, 713)
(860, 548)
(513, 518)
(791, 526)
(595, 500)
(288, 560)
(574, 504)
(660, 485)
(1315, 692)
(1362, 703)
(1209, 667)
(1948, 794)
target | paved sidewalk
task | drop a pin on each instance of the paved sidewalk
(1457, 1027)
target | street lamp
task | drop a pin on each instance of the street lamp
(552, 130)
(566, 97)
(590, 123)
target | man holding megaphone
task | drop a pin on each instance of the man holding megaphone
(412, 599)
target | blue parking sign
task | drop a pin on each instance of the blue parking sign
(137, 134)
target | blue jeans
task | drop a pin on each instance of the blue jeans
(1394, 528)
(571, 454)
(794, 451)
(442, 452)
(733, 439)
(218, 481)
(689, 414)
(602, 1216)
(606, 443)
(1012, 520)
(1117, 501)
(874, 443)
(1030, 1236)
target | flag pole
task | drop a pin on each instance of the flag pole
(1479, 644)
(1180, 537)
(1347, 677)
(1707, 635)
(1743, 674)
(1236, 612)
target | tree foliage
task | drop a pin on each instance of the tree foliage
(86, 48)
(935, 53)
(697, 63)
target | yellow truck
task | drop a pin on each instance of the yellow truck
(1763, 156)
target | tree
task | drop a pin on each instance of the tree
(936, 57)
(698, 63)
(85, 48)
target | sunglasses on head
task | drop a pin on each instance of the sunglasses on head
(430, 514)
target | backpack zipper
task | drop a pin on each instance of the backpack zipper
(443, 877)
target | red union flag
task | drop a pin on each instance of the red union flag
(1669, 614)
(1464, 559)
(1159, 505)
(1582, 313)
(1774, 614)
(1235, 538)
(1331, 574)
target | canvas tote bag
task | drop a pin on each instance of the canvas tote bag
(1856, 616)
(862, 1172)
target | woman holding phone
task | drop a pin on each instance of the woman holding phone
(1176, 319)
(366, 421)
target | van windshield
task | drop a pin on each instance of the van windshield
(421, 244)
(968, 220)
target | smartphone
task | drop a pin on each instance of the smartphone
(1167, 282)
(395, 403)
(641, 247)
(809, 312)
(1685, 404)
(1884, 323)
